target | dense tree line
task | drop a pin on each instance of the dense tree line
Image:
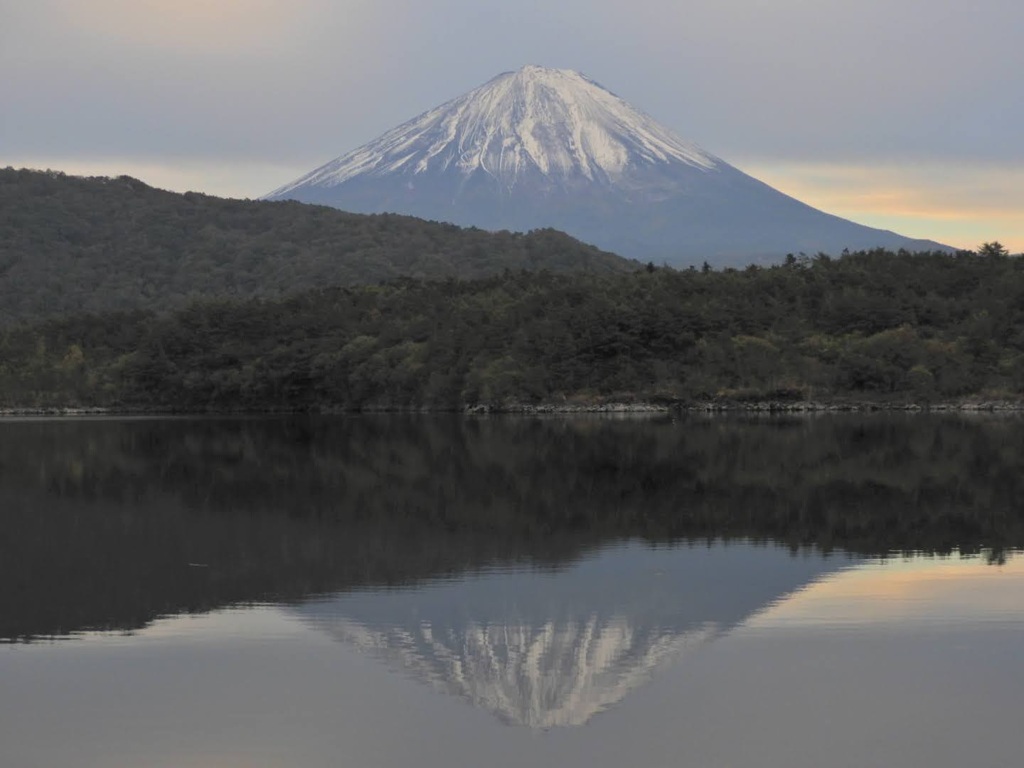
(868, 325)
(70, 244)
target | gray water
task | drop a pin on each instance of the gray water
(840, 591)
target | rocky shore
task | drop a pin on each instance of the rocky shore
(758, 406)
(568, 407)
(68, 411)
(811, 406)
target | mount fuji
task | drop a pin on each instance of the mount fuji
(545, 147)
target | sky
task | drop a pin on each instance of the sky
(901, 114)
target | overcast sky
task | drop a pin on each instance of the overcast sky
(905, 114)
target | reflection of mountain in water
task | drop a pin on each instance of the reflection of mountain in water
(546, 648)
(558, 673)
(101, 519)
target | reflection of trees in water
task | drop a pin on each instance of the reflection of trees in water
(103, 517)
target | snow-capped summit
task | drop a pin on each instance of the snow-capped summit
(543, 147)
(553, 122)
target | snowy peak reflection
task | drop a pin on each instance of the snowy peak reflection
(544, 649)
(556, 674)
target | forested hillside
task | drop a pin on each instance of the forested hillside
(70, 244)
(872, 325)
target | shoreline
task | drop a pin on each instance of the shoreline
(563, 408)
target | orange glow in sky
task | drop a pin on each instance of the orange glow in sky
(902, 593)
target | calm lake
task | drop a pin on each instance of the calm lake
(441, 592)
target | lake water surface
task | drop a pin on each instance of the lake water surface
(434, 591)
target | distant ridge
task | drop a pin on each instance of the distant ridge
(70, 244)
(543, 147)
